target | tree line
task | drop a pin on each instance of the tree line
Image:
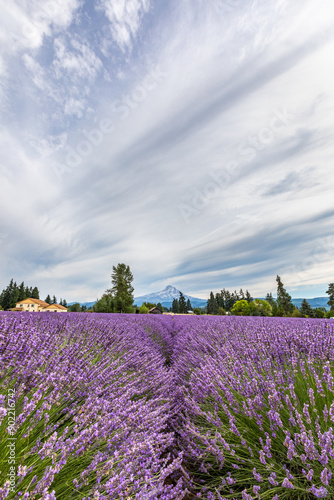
(119, 299)
(243, 304)
(181, 305)
(14, 293)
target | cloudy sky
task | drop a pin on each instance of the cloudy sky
(189, 139)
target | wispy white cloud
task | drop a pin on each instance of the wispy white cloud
(24, 24)
(79, 61)
(125, 17)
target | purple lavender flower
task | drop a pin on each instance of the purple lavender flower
(256, 490)
(318, 492)
(246, 496)
(325, 476)
(262, 457)
(287, 484)
(309, 475)
(257, 476)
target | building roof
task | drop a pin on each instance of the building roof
(29, 300)
(41, 303)
(155, 310)
(55, 306)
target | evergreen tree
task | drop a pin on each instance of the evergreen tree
(212, 306)
(105, 305)
(54, 300)
(122, 290)
(64, 303)
(330, 293)
(284, 302)
(15, 295)
(219, 300)
(159, 306)
(22, 292)
(222, 299)
(48, 299)
(241, 294)
(189, 306)
(319, 312)
(270, 299)
(28, 292)
(229, 300)
(175, 306)
(225, 300)
(35, 293)
(10, 296)
(249, 298)
(182, 304)
(7, 296)
(306, 309)
(61, 302)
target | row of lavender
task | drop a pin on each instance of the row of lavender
(92, 404)
(257, 406)
(116, 406)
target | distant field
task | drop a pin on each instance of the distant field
(97, 406)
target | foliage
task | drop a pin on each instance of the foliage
(175, 306)
(240, 308)
(182, 304)
(74, 307)
(225, 300)
(105, 304)
(258, 307)
(212, 305)
(296, 313)
(143, 309)
(149, 305)
(122, 289)
(330, 293)
(284, 302)
(306, 310)
(14, 293)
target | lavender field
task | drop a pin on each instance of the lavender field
(159, 407)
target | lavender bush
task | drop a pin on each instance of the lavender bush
(160, 407)
(92, 408)
(258, 407)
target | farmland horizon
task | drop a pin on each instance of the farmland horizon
(156, 297)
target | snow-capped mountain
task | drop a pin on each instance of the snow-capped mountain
(166, 297)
